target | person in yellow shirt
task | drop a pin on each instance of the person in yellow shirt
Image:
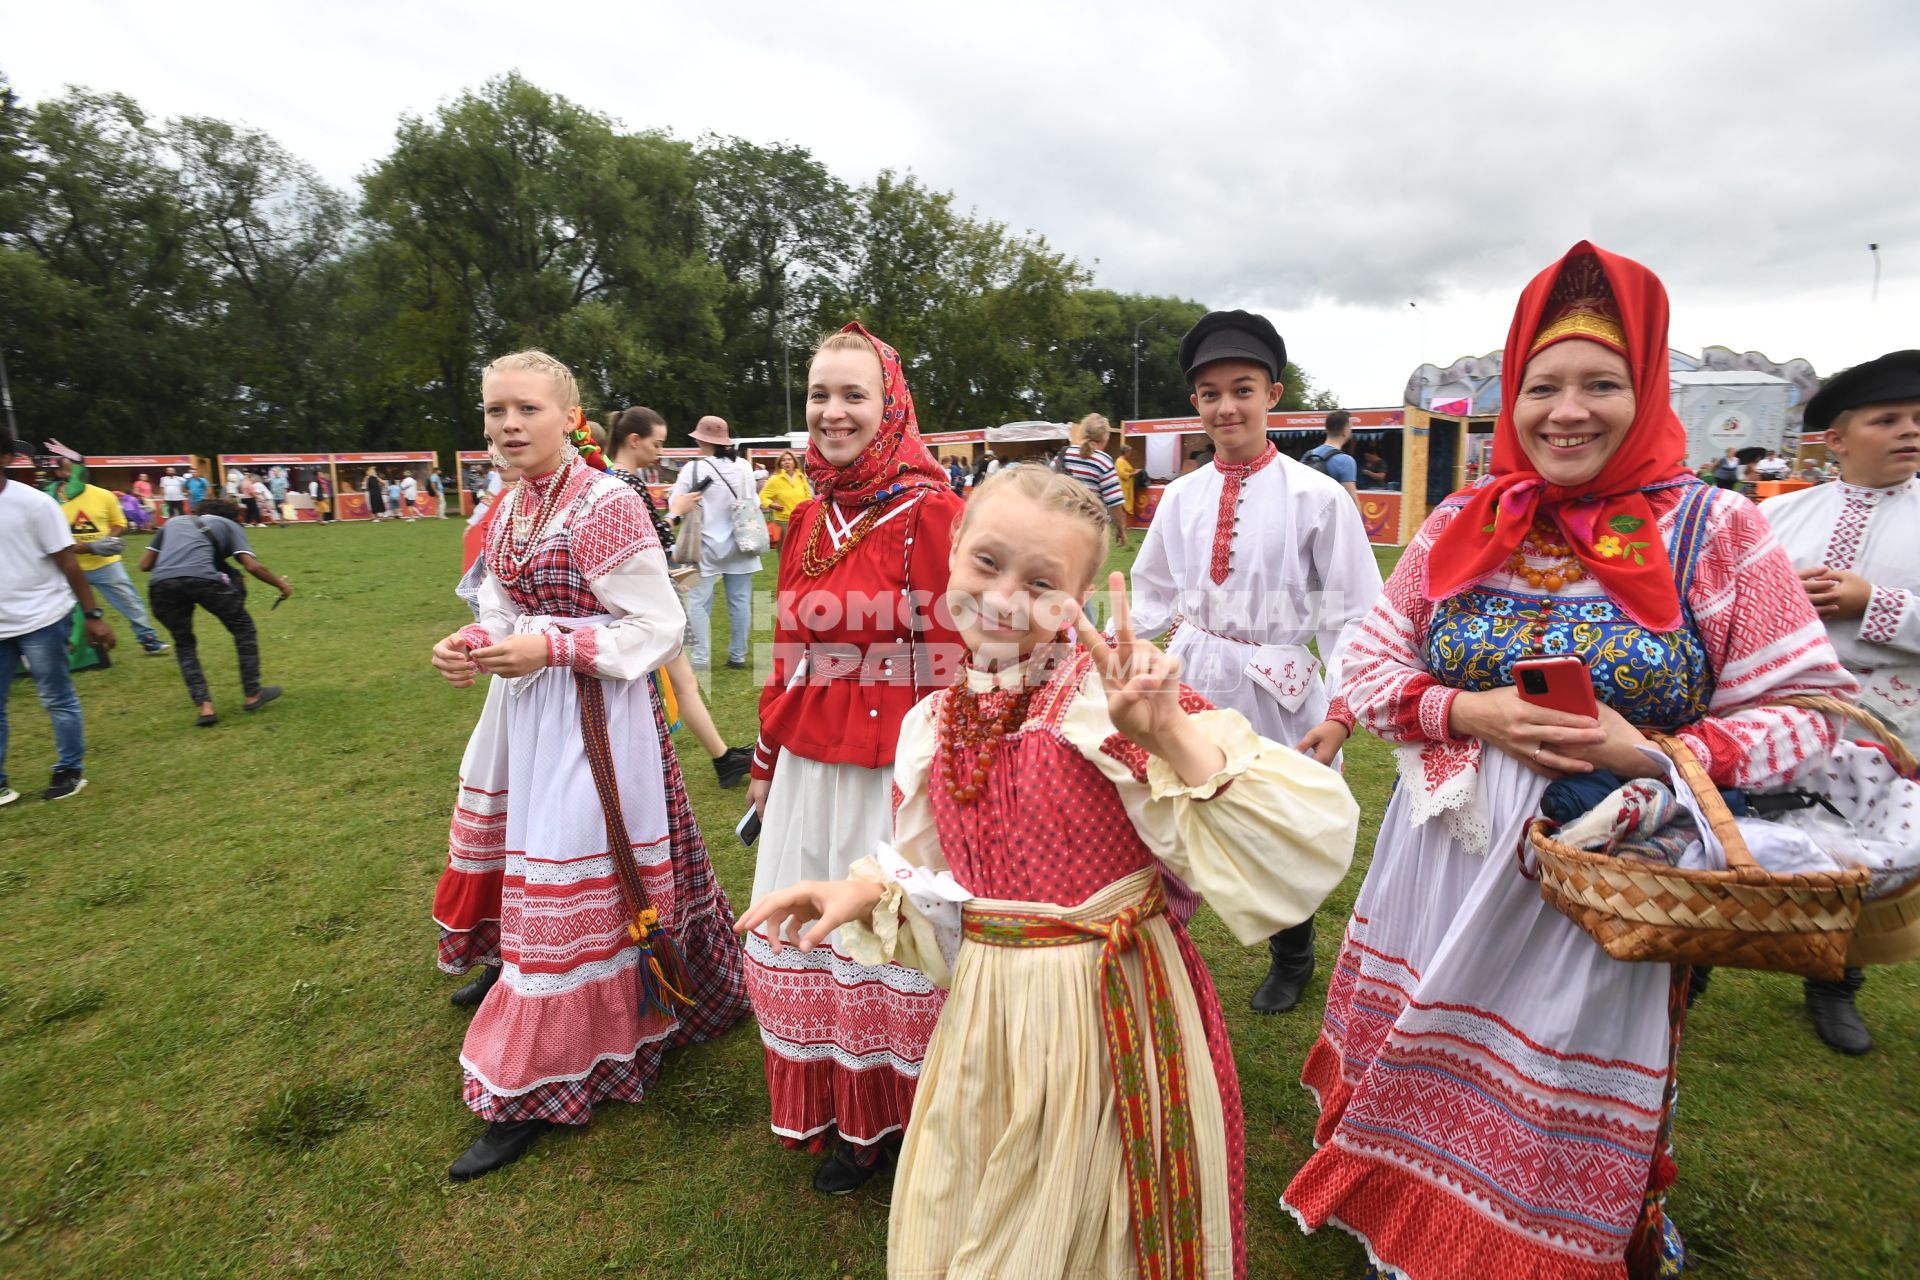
(785, 489)
(1124, 468)
(94, 515)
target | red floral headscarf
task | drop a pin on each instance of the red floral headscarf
(894, 461)
(1608, 521)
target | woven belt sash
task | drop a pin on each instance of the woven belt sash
(663, 974)
(1163, 1188)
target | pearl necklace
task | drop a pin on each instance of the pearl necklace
(525, 529)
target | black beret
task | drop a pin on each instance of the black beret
(1233, 335)
(1894, 376)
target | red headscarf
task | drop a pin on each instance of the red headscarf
(894, 461)
(1608, 521)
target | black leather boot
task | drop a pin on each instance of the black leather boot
(470, 996)
(1291, 971)
(850, 1167)
(1835, 1019)
(733, 767)
(1698, 977)
(504, 1142)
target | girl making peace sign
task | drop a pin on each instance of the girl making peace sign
(1038, 802)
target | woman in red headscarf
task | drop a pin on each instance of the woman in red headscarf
(863, 569)
(1495, 1091)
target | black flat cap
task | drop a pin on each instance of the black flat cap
(1233, 335)
(1894, 376)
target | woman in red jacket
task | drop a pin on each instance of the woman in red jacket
(863, 571)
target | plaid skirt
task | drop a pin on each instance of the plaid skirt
(701, 927)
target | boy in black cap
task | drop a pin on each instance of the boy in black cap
(1853, 542)
(1246, 560)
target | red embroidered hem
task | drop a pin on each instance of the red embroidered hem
(814, 1100)
(1421, 1233)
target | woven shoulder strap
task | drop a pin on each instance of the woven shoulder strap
(1689, 532)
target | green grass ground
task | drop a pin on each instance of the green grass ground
(225, 1048)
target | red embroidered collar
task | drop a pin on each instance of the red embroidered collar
(1241, 470)
(1232, 475)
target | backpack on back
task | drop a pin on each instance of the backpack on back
(1319, 457)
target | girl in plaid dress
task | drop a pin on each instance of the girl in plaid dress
(614, 941)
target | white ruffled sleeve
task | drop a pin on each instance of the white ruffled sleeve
(917, 920)
(1263, 841)
(614, 547)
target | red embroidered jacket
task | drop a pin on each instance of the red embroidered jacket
(856, 647)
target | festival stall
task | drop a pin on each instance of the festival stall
(300, 468)
(964, 447)
(660, 479)
(472, 467)
(118, 472)
(1027, 441)
(1168, 447)
(350, 472)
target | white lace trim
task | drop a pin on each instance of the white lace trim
(1455, 799)
(794, 1051)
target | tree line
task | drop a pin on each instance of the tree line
(190, 284)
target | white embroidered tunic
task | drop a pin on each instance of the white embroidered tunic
(1249, 562)
(1876, 534)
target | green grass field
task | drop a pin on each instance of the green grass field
(225, 1048)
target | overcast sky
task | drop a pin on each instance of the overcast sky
(1325, 163)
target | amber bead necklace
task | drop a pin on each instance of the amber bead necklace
(1565, 569)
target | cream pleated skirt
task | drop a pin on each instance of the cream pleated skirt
(1012, 1167)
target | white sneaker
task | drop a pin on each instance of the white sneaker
(8, 795)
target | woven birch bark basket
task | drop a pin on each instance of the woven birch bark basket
(1744, 917)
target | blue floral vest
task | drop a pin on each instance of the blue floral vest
(1658, 679)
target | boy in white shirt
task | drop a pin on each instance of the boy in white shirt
(1247, 559)
(1854, 544)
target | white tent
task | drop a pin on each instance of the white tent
(1018, 432)
(1732, 409)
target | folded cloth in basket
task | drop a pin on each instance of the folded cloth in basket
(1639, 820)
(1578, 793)
(1872, 818)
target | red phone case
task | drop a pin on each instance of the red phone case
(1568, 686)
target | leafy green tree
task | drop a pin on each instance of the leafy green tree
(195, 285)
(272, 232)
(101, 297)
(781, 228)
(1096, 366)
(521, 219)
(978, 315)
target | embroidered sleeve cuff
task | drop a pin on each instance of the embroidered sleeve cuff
(1885, 608)
(1340, 713)
(577, 650)
(1236, 739)
(916, 922)
(475, 636)
(1697, 743)
(1436, 710)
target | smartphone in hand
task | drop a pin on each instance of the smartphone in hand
(748, 828)
(1562, 684)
